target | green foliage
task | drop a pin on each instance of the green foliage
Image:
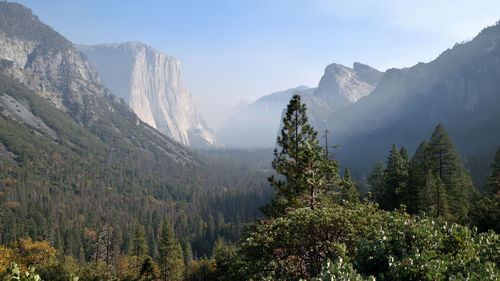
(376, 180)
(447, 165)
(493, 183)
(149, 271)
(421, 249)
(348, 190)
(170, 257)
(340, 271)
(307, 173)
(396, 180)
(14, 274)
(203, 270)
(485, 213)
(434, 181)
(297, 245)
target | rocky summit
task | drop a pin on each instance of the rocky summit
(150, 82)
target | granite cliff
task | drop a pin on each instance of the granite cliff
(150, 82)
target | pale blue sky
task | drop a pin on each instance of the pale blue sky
(241, 50)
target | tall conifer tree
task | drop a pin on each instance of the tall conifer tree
(446, 163)
(301, 160)
(396, 180)
(170, 254)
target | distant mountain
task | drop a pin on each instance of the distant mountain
(460, 88)
(257, 124)
(150, 82)
(340, 87)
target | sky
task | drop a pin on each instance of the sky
(233, 52)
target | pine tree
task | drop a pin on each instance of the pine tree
(418, 175)
(493, 182)
(188, 254)
(348, 188)
(139, 245)
(170, 254)
(376, 180)
(447, 164)
(301, 161)
(486, 212)
(149, 270)
(396, 180)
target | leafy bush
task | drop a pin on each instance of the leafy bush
(297, 245)
(421, 249)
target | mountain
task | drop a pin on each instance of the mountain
(340, 87)
(257, 124)
(150, 82)
(74, 158)
(460, 89)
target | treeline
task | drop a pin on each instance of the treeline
(434, 182)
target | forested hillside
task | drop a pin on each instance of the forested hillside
(66, 187)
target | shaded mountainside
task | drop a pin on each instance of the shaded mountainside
(150, 82)
(459, 89)
(73, 159)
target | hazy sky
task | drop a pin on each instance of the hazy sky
(241, 50)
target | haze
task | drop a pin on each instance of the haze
(234, 51)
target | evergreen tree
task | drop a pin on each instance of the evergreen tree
(376, 180)
(418, 176)
(486, 212)
(170, 254)
(348, 188)
(301, 161)
(149, 270)
(396, 180)
(493, 182)
(188, 254)
(447, 165)
(139, 245)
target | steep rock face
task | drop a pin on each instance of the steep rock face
(341, 86)
(150, 82)
(45, 61)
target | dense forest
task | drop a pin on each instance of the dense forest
(419, 219)
(84, 183)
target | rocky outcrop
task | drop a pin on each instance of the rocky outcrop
(150, 82)
(46, 62)
(341, 86)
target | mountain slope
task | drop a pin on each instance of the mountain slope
(149, 81)
(257, 124)
(460, 89)
(340, 87)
